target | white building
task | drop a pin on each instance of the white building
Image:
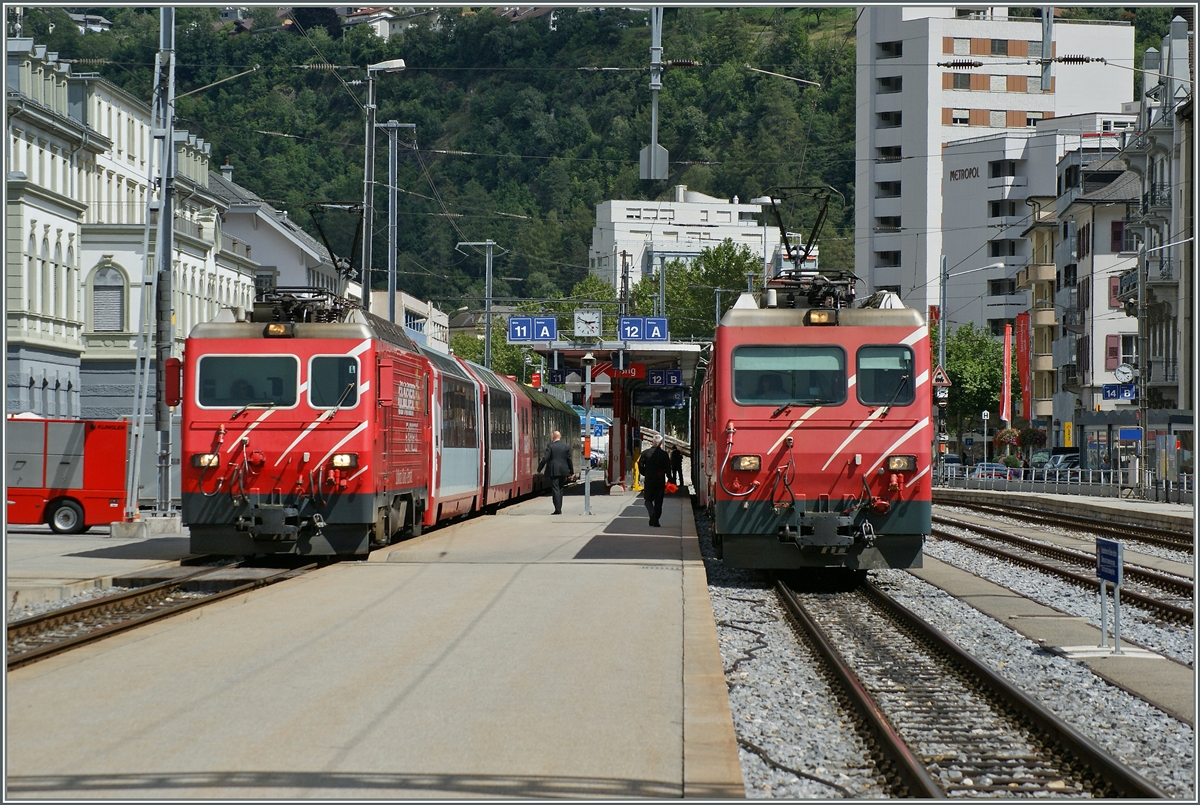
(909, 107)
(986, 185)
(646, 234)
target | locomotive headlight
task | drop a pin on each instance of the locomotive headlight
(280, 329)
(343, 460)
(821, 317)
(206, 460)
(902, 463)
(747, 463)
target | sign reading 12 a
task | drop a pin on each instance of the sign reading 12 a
(642, 328)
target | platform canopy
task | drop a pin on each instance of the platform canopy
(682, 355)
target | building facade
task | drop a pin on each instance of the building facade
(641, 236)
(913, 100)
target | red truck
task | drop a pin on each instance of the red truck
(68, 473)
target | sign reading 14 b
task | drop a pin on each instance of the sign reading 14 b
(642, 328)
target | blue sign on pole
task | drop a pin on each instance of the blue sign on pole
(1110, 558)
(656, 377)
(545, 328)
(969, 442)
(557, 376)
(656, 328)
(597, 429)
(1129, 434)
(674, 377)
(520, 328)
(631, 328)
(1110, 391)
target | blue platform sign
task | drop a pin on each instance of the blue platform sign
(1129, 434)
(557, 376)
(520, 328)
(674, 377)
(545, 328)
(1118, 391)
(656, 329)
(1110, 558)
(631, 328)
(661, 378)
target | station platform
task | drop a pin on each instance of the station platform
(520, 655)
(42, 566)
(1174, 516)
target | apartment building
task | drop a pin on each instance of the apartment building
(646, 234)
(932, 75)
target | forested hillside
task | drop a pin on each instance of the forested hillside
(521, 128)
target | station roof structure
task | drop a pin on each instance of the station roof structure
(683, 355)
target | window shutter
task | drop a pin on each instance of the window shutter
(947, 44)
(947, 80)
(1118, 236)
(108, 309)
(947, 117)
(1114, 288)
(1112, 352)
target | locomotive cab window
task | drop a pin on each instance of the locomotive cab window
(232, 381)
(333, 381)
(885, 375)
(802, 375)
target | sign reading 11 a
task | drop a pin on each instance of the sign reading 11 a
(532, 328)
(642, 328)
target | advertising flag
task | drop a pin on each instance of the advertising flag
(1025, 364)
(1006, 387)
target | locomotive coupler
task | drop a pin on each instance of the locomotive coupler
(268, 521)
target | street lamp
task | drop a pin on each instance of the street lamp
(390, 66)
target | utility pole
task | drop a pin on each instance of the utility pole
(654, 157)
(487, 304)
(1143, 366)
(942, 326)
(391, 128)
(391, 66)
(624, 283)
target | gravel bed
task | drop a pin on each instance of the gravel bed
(41, 607)
(1137, 625)
(1132, 546)
(782, 705)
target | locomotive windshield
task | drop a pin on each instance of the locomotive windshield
(333, 381)
(885, 376)
(233, 381)
(801, 375)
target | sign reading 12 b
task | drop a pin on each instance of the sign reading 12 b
(642, 328)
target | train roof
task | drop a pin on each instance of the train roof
(354, 324)
(846, 317)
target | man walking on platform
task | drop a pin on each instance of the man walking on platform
(559, 469)
(654, 466)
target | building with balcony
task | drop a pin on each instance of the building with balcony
(1039, 280)
(643, 235)
(910, 108)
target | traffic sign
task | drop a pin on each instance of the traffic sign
(1110, 556)
(597, 429)
(969, 442)
(986, 415)
(939, 377)
(941, 393)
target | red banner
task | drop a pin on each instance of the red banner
(1025, 364)
(1006, 385)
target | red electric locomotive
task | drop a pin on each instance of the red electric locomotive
(814, 430)
(313, 427)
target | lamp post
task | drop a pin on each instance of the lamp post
(588, 361)
(487, 299)
(390, 66)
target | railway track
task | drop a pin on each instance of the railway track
(1166, 596)
(946, 725)
(41, 636)
(1159, 537)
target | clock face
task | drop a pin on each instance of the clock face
(1124, 373)
(587, 323)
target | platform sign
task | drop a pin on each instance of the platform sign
(1129, 434)
(557, 376)
(630, 328)
(656, 329)
(656, 377)
(520, 329)
(545, 328)
(1110, 558)
(674, 377)
(658, 398)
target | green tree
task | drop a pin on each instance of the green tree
(975, 366)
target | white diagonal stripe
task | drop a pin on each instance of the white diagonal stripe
(303, 433)
(919, 476)
(913, 337)
(249, 428)
(908, 435)
(360, 349)
(854, 433)
(361, 427)
(793, 426)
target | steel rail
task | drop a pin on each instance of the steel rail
(41, 653)
(1171, 611)
(1180, 586)
(908, 767)
(1161, 537)
(1125, 781)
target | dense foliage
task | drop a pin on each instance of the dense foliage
(518, 134)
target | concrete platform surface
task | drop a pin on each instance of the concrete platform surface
(1113, 510)
(521, 655)
(43, 566)
(1162, 682)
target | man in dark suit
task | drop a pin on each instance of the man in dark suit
(557, 461)
(676, 466)
(654, 466)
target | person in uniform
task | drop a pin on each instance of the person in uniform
(557, 462)
(676, 465)
(654, 466)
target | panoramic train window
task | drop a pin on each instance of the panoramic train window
(885, 375)
(458, 414)
(500, 419)
(802, 375)
(231, 381)
(329, 378)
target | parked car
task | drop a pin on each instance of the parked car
(951, 458)
(1056, 467)
(991, 469)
